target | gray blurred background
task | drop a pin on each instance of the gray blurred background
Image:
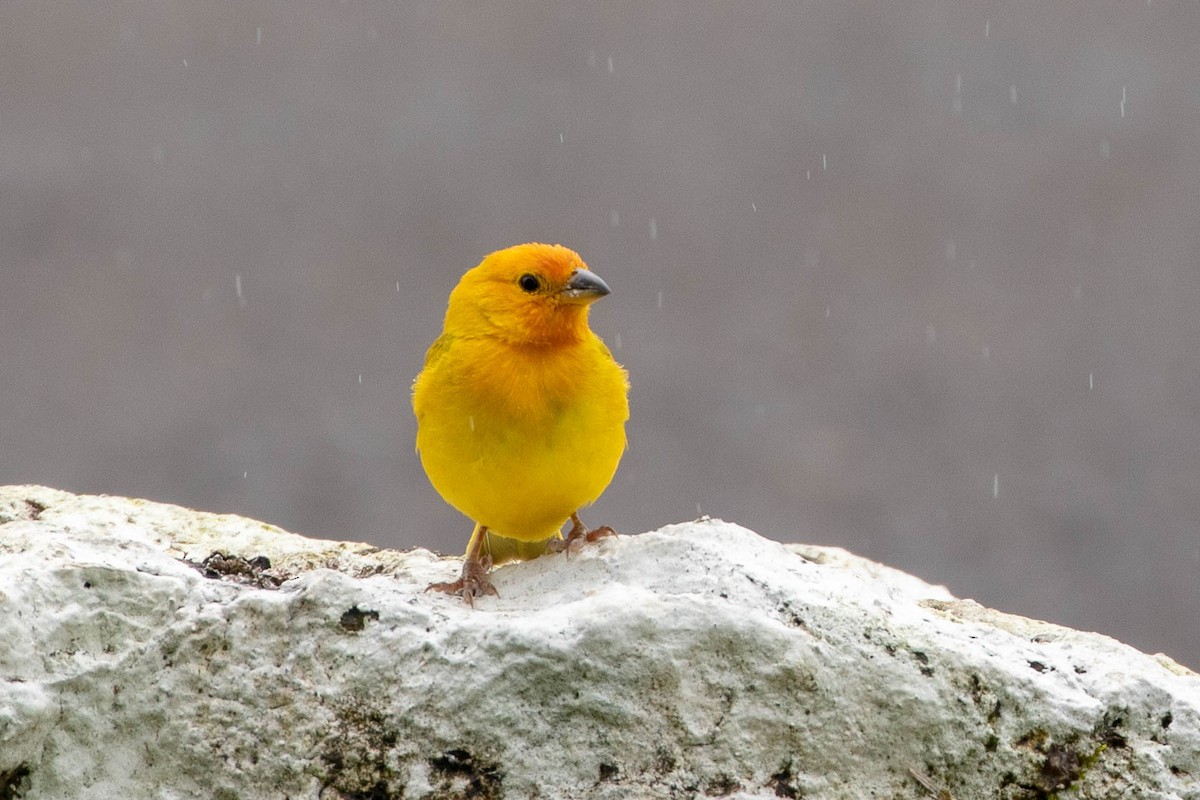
(916, 279)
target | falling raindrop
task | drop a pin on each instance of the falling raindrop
(987, 29)
(237, 288)
(824, 163)
(996, 485)
(360, 380)
(471, 421)
(660, 298)
(1012, 93)
(610, 67)
(560, 138)
(1122, 102)
(258, 35)
(653, 230)
(1091, 381)
(753, 207)
(617, 341)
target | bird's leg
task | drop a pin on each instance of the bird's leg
(474, 581)
(578, 531)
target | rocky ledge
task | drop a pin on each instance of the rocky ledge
(148, 650)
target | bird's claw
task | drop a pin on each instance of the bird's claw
(474, 581)
(578, 536)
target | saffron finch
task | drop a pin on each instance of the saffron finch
(520, 407)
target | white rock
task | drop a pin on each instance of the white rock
(697, 660)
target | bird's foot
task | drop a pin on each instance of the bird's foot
(578, 536)
(474, 581)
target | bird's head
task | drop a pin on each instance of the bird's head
(528, 294)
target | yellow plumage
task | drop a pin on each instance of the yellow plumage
(520, 407)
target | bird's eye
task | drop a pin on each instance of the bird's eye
(529, 283)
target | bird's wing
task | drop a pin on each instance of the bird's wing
(437, 351)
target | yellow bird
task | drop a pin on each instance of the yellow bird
(520, 407)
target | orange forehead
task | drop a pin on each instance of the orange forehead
(553, 261)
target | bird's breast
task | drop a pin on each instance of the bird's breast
(517, 440)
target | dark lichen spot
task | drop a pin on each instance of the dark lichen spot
(1037, 666)
(34, 508)
(369, 571)
(1108, 730)
(254, 572)
(923, 660)
(463, 775)
(11, 781)
(782, 782)
(722, 786)
(1061, 768)
(1166, 720)
(608, 772)
(379, 791)
(357, 760)
(790, 617)
(355, 619)
(991, 743)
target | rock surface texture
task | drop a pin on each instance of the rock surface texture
(700, 660)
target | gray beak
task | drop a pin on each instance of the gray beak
(585, 285)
